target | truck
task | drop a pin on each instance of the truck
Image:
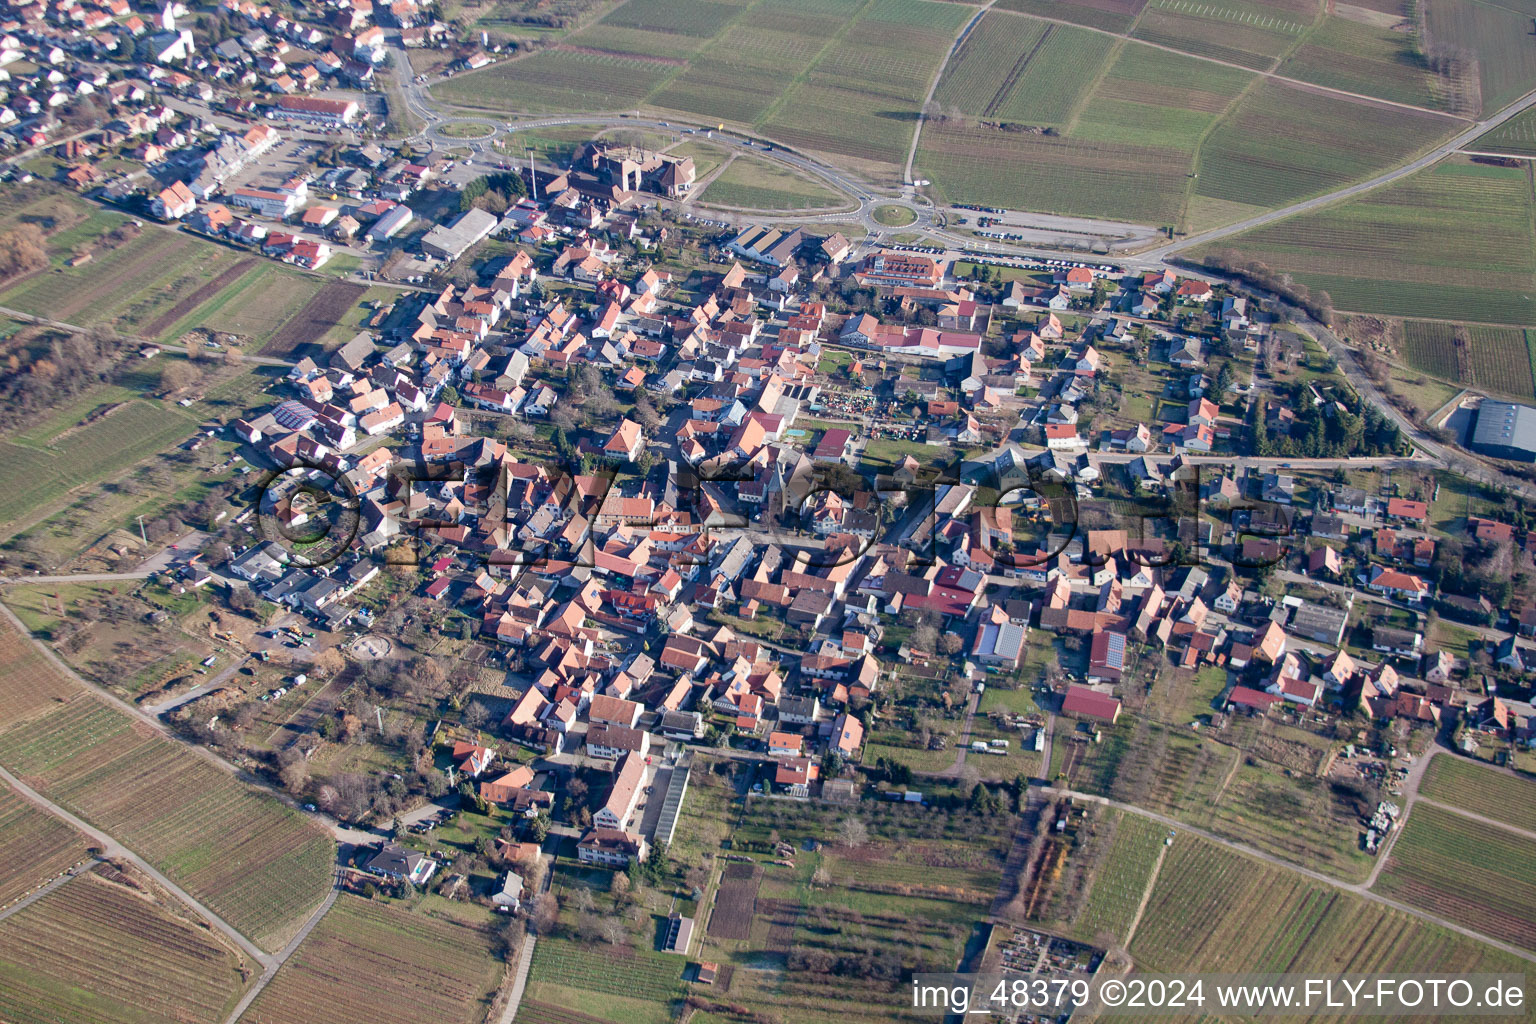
(979, 746)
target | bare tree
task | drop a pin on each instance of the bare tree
(545, 912)
(853, 832)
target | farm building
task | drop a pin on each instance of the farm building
(1505, 430)
(1082, 702)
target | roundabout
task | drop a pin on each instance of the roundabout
(464, 130)
(894, 215)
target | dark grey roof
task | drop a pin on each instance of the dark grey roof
(1505, 425)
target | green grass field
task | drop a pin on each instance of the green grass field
(1134, 130)
(1368, 59)
(34, 474)
(1111, 15)
(1498, 35)
(1517, 136)
(1250, 34)
(1452, 243)
(1282, 143)
(127, 287)
(758, 185)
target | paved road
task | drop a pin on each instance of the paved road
(114, 849)
(917, 129)
(1386, 178)
(282, 956)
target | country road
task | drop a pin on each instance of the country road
(84, 577)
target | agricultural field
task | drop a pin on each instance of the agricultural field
(98, 952)
(618, 984)
(34, 846)
(1476, 874)
(735, 902)
(1112, 15)
(561, 78)
(1295, 816)
(371, 962)
(1497, 35)
(1079, 124)
(252, 306)
(32, 475)
(1214, 909)
(1495, 358)
(1481, 790)
(299, 334)
(1253, 35)
(754, 184)
(256, 863)
(874, 73)
(1283, 143)
(813, 926)
(746, 69)
(29, 682)
(1516, 136)
(797, 71)
(1452, 242)
(1121, 880)
(1372, 60)
(130, 281)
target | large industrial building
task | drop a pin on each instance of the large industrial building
(1504, 430)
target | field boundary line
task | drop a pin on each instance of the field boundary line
(1146, 895)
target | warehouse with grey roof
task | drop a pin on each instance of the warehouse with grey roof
(1504, 430)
